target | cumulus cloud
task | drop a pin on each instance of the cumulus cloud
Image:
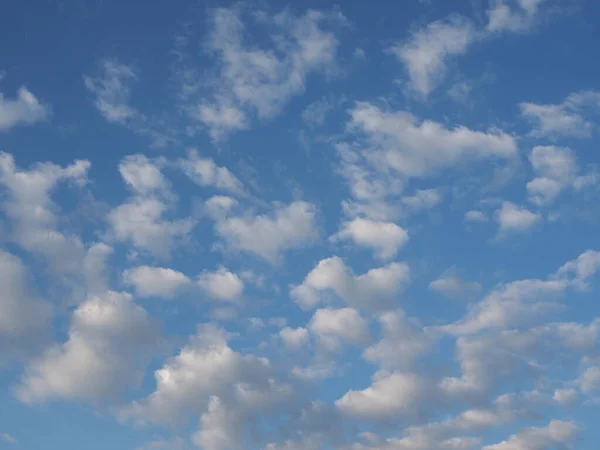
(24, 319)
(294, 338)
(258, 82)
(221, 284)
(374, 289)
(564, 119)
(111, 339)
(557, 433)
(156, 281)
(513, 16)
(555, 169)
(385, 238)
(512, 218)
(206, 173)
(426, 52)
(25, 109)
(269, 235)
(452, 286)
(343, 323)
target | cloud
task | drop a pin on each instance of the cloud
(388, 396)
(221, 284)
(452, 286)
(258, 82)
(111, 89)
(557, 433)
(143, 176)
(563, 119)
(111, 339)
(25, 109)
(269, 235)
(426, 52)
(419, 148)
(294, 338)
(513, 218)
(343, 323)
(204, 172)
(24, 319)
(385, 238)
(555, 169)
(518, 18)
(316, 112)
(374, 289)
(231, 392)
(156, 281)
(475, 216)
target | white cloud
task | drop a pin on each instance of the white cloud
(581, 269)
(475, 216)
(252, 81)
(205, 173)
(33, 216)
(229, 390)
(388, 396)
(269, 235)
(24, 319)
(590, 380)
(25, 109)
(343, 323)
(563, 119)
(565, 396)
(141, 222)
(557, 433)
(221, 285)
(110, 341)
(142, 175)
(426, 53)
(385, 238)
(520, 17)
(403, 341)
(417, 149)
(378, 288)
(512, 218)
(452, 286)
(156, 281)
(294, 338)
(555, 169)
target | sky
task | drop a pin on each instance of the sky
(273, 225)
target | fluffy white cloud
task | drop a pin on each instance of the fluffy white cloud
(231, 392)
(555, 169)
(259, 82)
(111, 339)
(25, 109)
(33, 216)
(385, 238)
(564, 119)
(141, 222)
(343, 323)
(416, 148)
(221, 284)
(205, 172)
(452, 286)
(512, 218)
(580, 269)
(426, 53)
(388, 396)
(24, 319)
(403, 340)
(565, 396)
(590, 380)
(422, 199)
(475, 216)
(142, 175)
(557, 433)
(294, 338)
(156, 281)
(375, 289)
(269, 235)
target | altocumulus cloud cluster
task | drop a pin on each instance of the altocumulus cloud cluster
(371, 226)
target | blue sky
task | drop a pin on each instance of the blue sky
(299, 226)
